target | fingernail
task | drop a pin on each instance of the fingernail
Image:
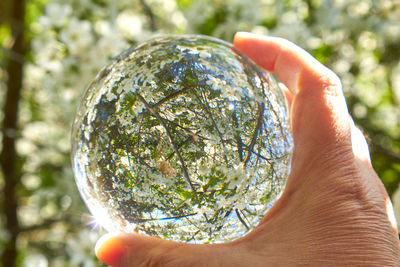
(110, 249)
(243, 34)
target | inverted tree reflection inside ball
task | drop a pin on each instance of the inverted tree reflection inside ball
(181, 138)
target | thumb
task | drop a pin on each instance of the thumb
(111, 249)
(118, 249)
(128, 249)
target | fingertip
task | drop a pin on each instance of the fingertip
(255, 46)
(240, 40)
(110, 249)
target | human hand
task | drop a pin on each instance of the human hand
(334, 210)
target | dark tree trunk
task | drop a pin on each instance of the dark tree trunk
(8, 156)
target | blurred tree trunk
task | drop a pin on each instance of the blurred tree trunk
(9, 156)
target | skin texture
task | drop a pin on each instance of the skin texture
(334, 210)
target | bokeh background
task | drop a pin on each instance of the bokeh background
(51, 49)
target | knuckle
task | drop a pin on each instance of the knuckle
(330, 83)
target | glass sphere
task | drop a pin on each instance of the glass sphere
(184, 138)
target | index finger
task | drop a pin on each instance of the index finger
(292, 65)
(319, 115)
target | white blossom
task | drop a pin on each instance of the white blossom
(77, 36)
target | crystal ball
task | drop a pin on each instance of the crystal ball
(182, 137)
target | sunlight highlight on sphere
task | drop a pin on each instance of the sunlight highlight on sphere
(182, 138)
